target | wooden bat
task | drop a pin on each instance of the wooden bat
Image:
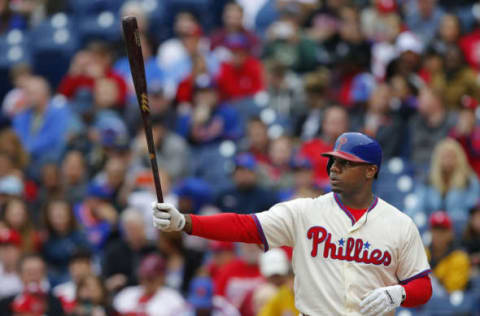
(137, 68)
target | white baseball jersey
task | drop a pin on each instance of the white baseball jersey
(336, 261)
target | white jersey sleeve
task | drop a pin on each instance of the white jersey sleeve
(413, 261)
(277, 225)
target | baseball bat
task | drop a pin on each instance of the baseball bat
(137, 68)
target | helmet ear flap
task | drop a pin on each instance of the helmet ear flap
(329, 165)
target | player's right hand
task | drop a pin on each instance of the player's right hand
(167, 218)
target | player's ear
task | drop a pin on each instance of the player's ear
(371, 171)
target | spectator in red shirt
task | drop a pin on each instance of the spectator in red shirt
(232, 24)
(88, 66)
(334, 124)
(242, 76)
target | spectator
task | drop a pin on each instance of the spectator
(194, 196)
(97, 217)
(257, 140)
(123, 255)
(450, 265)
(456, 80)
(173, 153)
(287, 43)
(283, 303)
(381, 122)
(467, 132)
(87, 67)
(468, 44)
(278, 174)
(246, 194)
(10, 254)
(79, 267)
(449, 33)
(17, 218)
(240, 276)
(376, 20)
(242, 76)
(15, 100)
(92, 298)
(316, 86)
(113, 178)
(471, 238)
(274, 267)
(10, 187)
(451, 184)
(35, 298)
(74, 176)
(11, 144)
(285, 91)
(232, 24)
(423, 18)
(43, 127)
(334, 124)
(304, 181)
(210, 120)
(201, 297)
(222, 253)
(431, 124)
(63, 239)
(151, 296)
(409, 49)
(50, 186)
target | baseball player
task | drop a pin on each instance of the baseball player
(353, 253)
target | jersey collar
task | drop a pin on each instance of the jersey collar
(347, 212)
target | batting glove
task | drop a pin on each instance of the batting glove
(167, 218)
(382, 300)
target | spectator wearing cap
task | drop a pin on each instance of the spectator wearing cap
(201, 297)
(451, 185)
(408, 50)
(151, 297)
(88, 69)
(124, 254)
(17, 218)
(256, 140)
(246, 194)
(96, 216)
(242, 76)
(287, 43)
(275, 268)
(376, 20)
(467, 131)
(210, 120)
(221, 253)
(423, 18)
(43, 127)
(457, 78)
(114, 178)
(10, 254)
(194, 195)
(35, 298)
(10, 187)
(63, 239)
(471, 238)
(316, 85)
(427, 127)
(450, 265)
(233, 18)
(80, 266)
(173, 153)
(335, 122)
(283, 302)
(304, 185)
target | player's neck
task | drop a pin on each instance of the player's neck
(360, 200)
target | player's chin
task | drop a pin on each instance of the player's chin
(336, 188)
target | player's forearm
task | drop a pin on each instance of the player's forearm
(223, 227)
(417, 292)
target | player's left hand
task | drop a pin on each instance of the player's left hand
(382, 300)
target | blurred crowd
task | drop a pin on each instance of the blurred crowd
(244, 97)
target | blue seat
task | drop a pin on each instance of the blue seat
(103, 26)
(82, 8)
(53, 44)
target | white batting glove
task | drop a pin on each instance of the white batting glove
(167, 218)
(382, 300)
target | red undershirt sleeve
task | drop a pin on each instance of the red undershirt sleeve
(226, 227)
(417, 291)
